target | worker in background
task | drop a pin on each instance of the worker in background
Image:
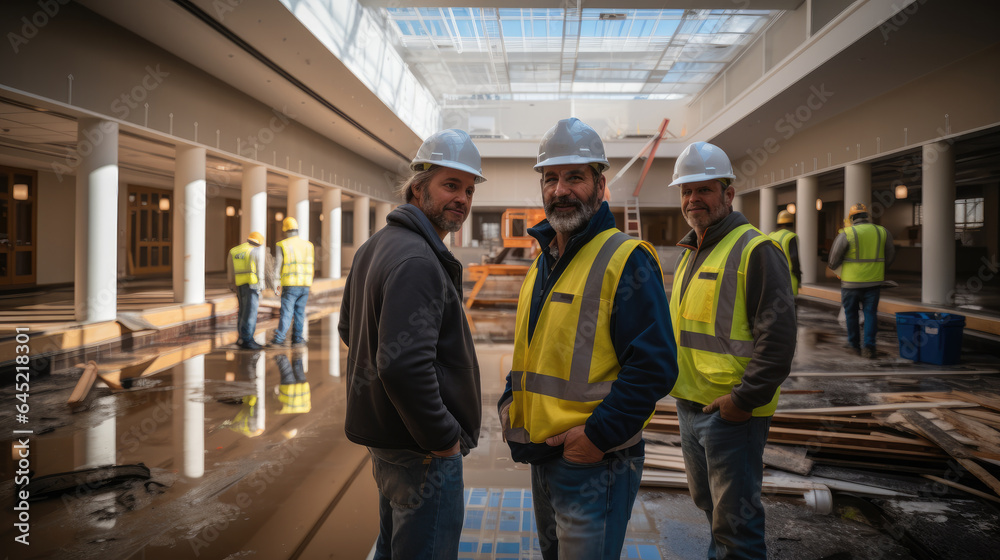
(789, 242)
(413, 394)
(734, 320)
(293, 390)
(245, 273)
(864, 250)
(293, 263)
(593, 353)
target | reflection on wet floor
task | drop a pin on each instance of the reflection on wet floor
(247, 455)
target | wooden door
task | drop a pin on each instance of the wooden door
(149, 230)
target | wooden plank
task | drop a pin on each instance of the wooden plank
(86, 381)
(867, 409)
(975, 430)
(890, 373)
(961, 453)
(986, 417)
(791, 459)
(962, 487)
(985, 400)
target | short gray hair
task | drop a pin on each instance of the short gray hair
(417, 179)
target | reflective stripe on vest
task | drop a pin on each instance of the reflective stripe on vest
(562, 374)
(864, 260)
(244, 265)
(714, 339)
(296, 262)
(784, 238)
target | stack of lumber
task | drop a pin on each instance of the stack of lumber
(919, 433)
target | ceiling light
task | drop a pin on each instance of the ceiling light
(21, 192)
(901, 191)
(164, 204)
(230, 211)
(278, 216)
(613, 17)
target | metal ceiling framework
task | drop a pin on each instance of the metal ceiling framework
(571, 52)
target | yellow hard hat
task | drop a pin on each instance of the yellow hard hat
(256, 238)
(785, 217)
(858, 208)
(289, 223)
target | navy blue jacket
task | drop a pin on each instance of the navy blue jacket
(640, 332)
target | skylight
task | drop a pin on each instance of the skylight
(514, 53)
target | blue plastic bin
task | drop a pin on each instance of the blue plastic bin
(933, 338)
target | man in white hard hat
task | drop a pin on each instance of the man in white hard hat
(593, 353)
(734, 321)
(413, 393)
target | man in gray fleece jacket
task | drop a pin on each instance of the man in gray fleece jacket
(734, 320)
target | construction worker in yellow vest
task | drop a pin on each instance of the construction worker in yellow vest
(733, 317)
(593, 353)
(863, 251)
(245, 271)
(789, 242)
(293, 263)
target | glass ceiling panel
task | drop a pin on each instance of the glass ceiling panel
(593, 53)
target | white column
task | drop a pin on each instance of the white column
(466, 231)
(298, 204)
(332, 233)
(857, 186)
(738, 204)
(938, 235)
(331, 342)
(382, 210)
(768, 209)
(807, 226)
(189, 417)
(95, 290)
(254, 202)
(361, 221)
(189, 225)
(99, 445)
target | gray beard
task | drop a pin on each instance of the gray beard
(572, 223)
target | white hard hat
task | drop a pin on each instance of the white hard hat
(571, 141)
(702, 161)
(449, 148)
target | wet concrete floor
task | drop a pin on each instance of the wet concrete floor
(247, 458)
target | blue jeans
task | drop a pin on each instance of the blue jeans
(293, 311)
(724, 464)
(867, 298)
(582, 510)
(246, 317)
(421, 504)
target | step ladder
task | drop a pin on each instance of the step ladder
(632, 226)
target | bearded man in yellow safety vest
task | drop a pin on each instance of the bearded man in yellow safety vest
(293, 263)
(734, 320)
(865, 250)
(593, 353)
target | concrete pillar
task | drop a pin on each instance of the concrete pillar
(807, 226)
(332, 233)
(189, 417)
(938, 235)
(95, 290)
(857, 186)
(768, 209)
(738, 204)
(467, 231)
(362, 205)
(189, 225)
(254, 202)
(298, 204)
(382, 210)
(99, 446)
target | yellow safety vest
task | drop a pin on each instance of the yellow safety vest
(784, 238)
(296, 262)
(244, 265)
(714, 340)
(567, 368)
(865, 257)
(295, 398)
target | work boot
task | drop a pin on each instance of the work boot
(855, 349)
(251, 345)
(868, 353)
(275, 344)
